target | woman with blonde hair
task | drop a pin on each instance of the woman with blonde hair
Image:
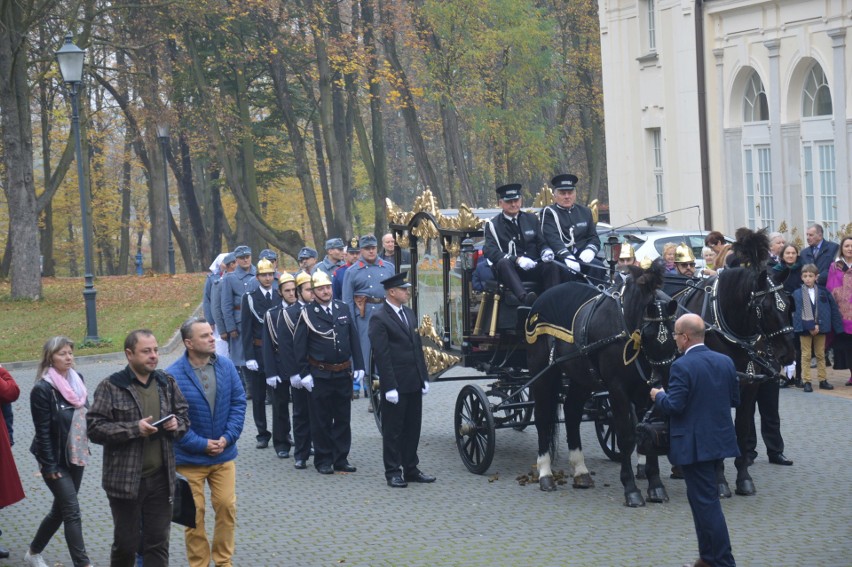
(59, 402)
(669, 257)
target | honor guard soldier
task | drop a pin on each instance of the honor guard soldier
(353, 250)
(327, 349)
(570, 231)
(684, 275)
(272, 364)
(255, 304)
(333, 256)
(307, 258)
(234, 286)
(301, 404)
(363, 291)
(226, 266)
(404, 381)
(515, 247)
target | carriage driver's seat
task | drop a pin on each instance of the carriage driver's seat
(507, 316)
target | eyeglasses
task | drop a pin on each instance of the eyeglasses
(687, 264)
(676, 334)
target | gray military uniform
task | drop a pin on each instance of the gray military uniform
(328, 266)
(363, 278)
(232, 288)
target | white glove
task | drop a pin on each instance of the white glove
(296, 381)
(587, 256)
(392, 396)
(526, 263)
(547, 256)
(252, 365)
(425, 389)
(790, 371)
(308, 383)
(572, 263)
(358, 375)
(273, 381)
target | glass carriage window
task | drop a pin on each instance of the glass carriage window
(755, 103)
(816, 100)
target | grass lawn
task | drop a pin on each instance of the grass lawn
(160, 303)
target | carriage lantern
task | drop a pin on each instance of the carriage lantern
(611, 250)
(467, 252)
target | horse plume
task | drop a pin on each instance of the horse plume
(751, 248)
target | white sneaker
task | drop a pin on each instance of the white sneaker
(34, 560)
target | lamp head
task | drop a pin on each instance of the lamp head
(70, 59)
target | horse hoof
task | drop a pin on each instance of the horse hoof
(724, 490)
(546, 484)
(658, 495)
(640, 472)
(746, 488)
(634, 500)
(584, 481)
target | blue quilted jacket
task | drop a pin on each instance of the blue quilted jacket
(225, 421)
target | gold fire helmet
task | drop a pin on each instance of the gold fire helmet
(302, 278)
(627, 252)
(286, 277)
(265, 267)
(683, 254)
(320, 279)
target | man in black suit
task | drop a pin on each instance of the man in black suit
(254, 306)
(819, 252)
(703, 388)
(327, 350)
(515, 247)
(404, 381)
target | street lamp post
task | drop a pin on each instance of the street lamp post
(163, 135)
(70, 59)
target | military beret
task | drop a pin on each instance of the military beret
(241, 251)
(229, 258)
(267, 254)
(510, 192)
(334, 243)
(396, 280)
(307, 252)
(564, 182)
(368, 240)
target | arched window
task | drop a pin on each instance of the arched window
(755, 105)
(816, 99)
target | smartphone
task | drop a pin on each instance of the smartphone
(160, 422)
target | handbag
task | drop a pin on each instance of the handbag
(183, 504)
(652, 435)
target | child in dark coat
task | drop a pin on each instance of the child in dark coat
(815, 315)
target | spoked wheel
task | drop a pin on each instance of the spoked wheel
(516, 418)
(374, 392)
(605, 429)
(474, 427)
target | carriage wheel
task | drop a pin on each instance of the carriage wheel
(474, 427)
(374, 393)
(605, 430)
(517, 418)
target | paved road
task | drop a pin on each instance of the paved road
(800, 516)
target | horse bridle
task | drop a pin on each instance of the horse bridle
(756, 299)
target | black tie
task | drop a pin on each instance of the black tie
(403, 319)
(328, 310)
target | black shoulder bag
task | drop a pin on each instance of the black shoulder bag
(652, 434)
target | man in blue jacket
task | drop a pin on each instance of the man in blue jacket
(703, 388)
(217, 409)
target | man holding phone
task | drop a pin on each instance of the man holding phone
(207, 453)
(139, 461)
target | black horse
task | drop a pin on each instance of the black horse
(615, 340)
(748, 318)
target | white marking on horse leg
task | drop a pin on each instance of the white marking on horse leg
(576, 459)
(641, 460)
(544, 465)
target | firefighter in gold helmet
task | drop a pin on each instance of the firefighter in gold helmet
(627, 257)
(684, 274)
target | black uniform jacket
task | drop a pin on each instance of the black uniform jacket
(569, 231)
(254, 308)
(331, 339)
(504, 240)
(397, 351)
(280, 325)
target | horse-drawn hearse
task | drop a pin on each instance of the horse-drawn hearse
(594, 350)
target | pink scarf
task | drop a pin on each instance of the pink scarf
(72, 390)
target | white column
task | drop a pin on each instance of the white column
(780, 194)
(720, 196)
(838, 104)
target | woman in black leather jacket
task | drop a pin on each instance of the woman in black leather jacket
(58, 403)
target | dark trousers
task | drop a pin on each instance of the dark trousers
(257, 384)
(770, 421)
(301, 423)
(331, 411)
(401, 434)
(281, 415)
(146, 519)
(714, 543)
(65, 510)
(510, 275)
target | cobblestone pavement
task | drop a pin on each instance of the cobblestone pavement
(300, 518)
